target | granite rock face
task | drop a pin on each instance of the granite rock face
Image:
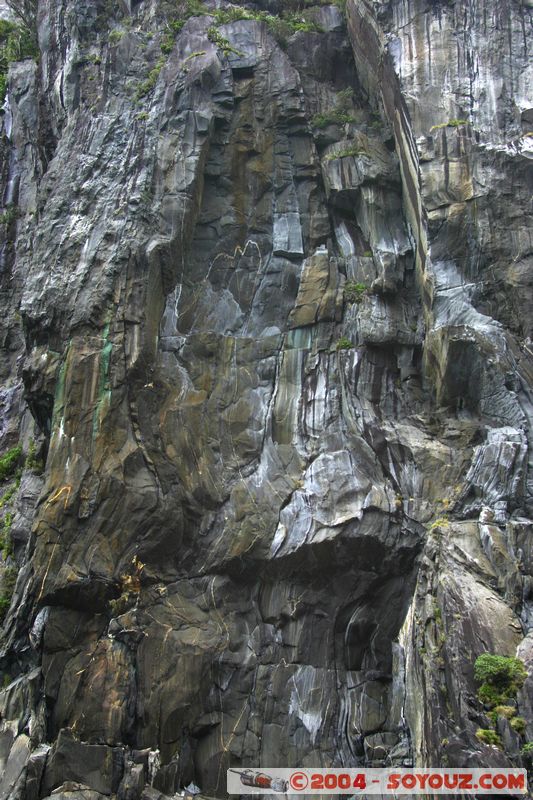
(267, 323)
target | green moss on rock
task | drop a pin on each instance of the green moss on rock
(9, 462)
(490, 737)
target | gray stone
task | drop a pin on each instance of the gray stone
(287, 235)
(132, 784)
(13, 773)
(267, 305)
(97, 766)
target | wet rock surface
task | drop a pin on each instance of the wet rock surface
(267, 307)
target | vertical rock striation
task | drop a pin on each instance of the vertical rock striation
(267, 304)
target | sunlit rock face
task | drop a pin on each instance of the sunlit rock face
(267, 319)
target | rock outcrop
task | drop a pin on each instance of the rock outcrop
(267, 290)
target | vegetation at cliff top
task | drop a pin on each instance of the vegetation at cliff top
(214, 35)
(301, 5)
(185, 9)
(17, 39)
(292, 20)
(25, 11)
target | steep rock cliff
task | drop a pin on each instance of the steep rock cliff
(267, 306)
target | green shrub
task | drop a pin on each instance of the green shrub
(527, 753)
(196, 54)
(503, 672)
(354, 292)
(9, 579)
(32, 462)
(167, 44)
(214, 35)
(452, 123)
(115, 37)
(489, 737)
(299, 23)
(178, 18)
(340, 114)
(518, 724)
(349, 152)
(500, 676)
(176, 26)
(6, 545)
(491, 697)
(10, 215)
(503, 711)
(10, 493)
(224, 16)
(344, 344)
(332, 117)
(9, 462)
(440, 522)
(146, 86)
(180, 15)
